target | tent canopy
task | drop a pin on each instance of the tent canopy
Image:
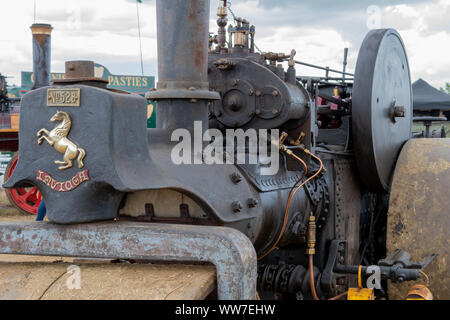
(426, 97)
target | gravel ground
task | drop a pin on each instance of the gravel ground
(8, 212)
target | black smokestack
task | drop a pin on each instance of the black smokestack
(183, 89)
(41, 54)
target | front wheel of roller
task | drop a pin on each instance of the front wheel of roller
(27, 199)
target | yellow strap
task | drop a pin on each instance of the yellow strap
(359, 277)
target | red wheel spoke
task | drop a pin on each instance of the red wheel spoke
(27, 195)
(26, 199)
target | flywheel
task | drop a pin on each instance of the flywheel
(381, 107)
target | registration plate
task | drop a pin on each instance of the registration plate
(63, 97)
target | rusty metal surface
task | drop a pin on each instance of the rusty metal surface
(183, 89)
(80, 71)
(347, 207)
(229, 250)
(183, 30)
(418, 218)
(41, 54)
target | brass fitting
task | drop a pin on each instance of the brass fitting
(283, 137)
(299, 140)
(291, 62)
(306, 151)
(336, 91)
(311, 236)
(222, 8)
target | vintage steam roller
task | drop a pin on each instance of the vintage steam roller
(349, 202)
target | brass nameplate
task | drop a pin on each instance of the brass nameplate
(69, 97)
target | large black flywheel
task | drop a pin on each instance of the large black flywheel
(381, 107)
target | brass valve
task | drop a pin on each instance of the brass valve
(311, 236)
(222, 8)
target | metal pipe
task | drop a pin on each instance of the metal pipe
(183, 89)
(41, 54)
(344, 67)
(182, 43)
(322, 68)
(229, 250)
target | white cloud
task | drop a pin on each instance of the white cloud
(425, 29)
(101, 30)
(107, 33)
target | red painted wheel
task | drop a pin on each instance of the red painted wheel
(26, 199)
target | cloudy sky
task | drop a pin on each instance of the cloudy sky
(106, 31)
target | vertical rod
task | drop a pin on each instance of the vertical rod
(34, 12)
(140, 39)
(344, 64)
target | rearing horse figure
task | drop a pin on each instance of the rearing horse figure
(57, 138)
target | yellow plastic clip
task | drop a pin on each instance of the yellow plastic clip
(360, 293)
(359, 277)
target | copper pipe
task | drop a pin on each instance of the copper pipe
(311, 278)
(339, 296)
(304, 173)
(288, 205)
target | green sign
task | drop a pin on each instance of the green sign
(134, 84)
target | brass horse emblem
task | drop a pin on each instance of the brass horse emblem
(57, 138)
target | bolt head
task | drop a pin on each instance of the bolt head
(252, 202)
(236, 178)
(236, 206)
(399, 111)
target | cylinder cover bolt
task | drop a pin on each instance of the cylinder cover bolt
(252, 202)
(236, 178)
(237, 206)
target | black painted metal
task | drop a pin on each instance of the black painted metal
(108, 126)
(382, 81)
(182, 64)
(123, 157)
(254, 95)
(41, 54)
